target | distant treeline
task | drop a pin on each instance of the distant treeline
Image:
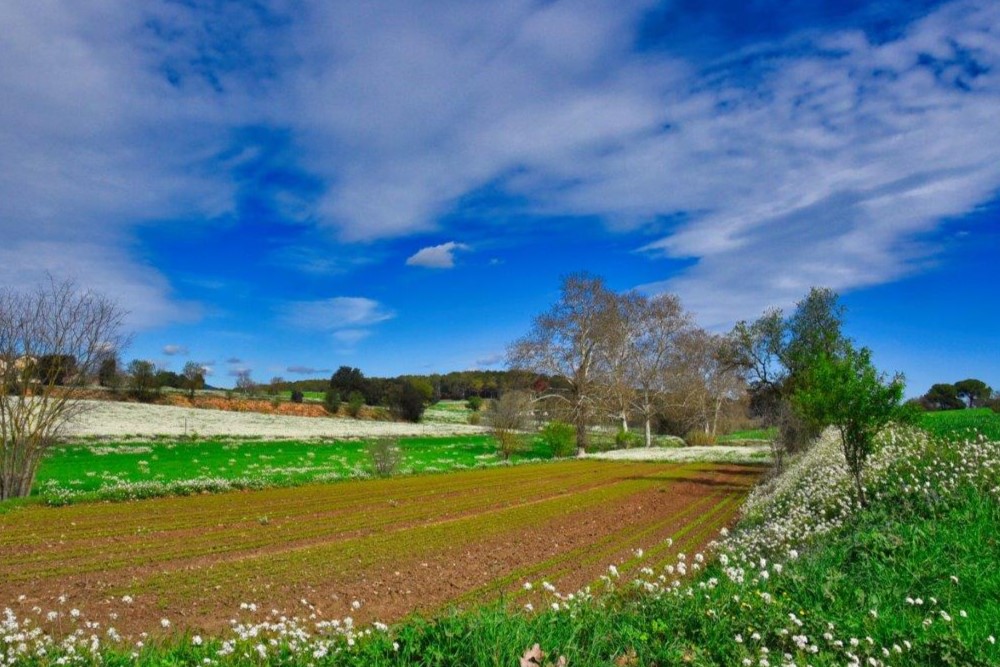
(457, 385)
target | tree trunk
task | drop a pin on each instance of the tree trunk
(624, 419)
(581, 437)
(649, 433)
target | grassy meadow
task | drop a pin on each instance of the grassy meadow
(958, 424)
(98, 470)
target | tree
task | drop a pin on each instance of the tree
(507, 417)
(193, 377)
(662, 324)
(974, 392)
(58, 321)
(563, 343)
(245, 384)
(347, 380)
(776, 355)
(142, 382)
(407, 401)
(847, 392)
(107, 373)
(942, 396)
(704, 380)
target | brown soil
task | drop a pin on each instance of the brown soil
(392, 584)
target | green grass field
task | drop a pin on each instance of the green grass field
(960, 424)
(143, 469)
(749, 434)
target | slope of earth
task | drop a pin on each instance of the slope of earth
(375, 550)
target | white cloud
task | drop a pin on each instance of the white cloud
(436, 257)
(347, 319)
(823, 166)
(173, 350)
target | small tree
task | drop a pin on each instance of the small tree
(942, 396)
(385, 456)
(245, 384)
(407, 400)
(331, 401)
(142, 383)
(507, 417)
(194, 377)
(354, 403)
(474, 403)
(847, 392)
(58, 322)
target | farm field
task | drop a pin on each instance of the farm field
(962, 423)
(374, 549)
(136, 469)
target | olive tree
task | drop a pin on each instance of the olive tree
(74, 331)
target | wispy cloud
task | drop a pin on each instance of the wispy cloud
(822, 157)
(340, 312)
(436, 257)
(172, 350)
(307, 370)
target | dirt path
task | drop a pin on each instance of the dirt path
(394, 546)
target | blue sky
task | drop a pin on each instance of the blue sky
(294, 185)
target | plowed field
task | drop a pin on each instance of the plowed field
(395, 546)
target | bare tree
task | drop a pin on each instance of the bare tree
(245, 384)
(662, 325)
(617, 354)
(705, 379)
(194, 377)
(563, 343)
(75, 331)
(507, 417)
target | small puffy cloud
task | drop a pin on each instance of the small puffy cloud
(306, 370)
(336, 314)
(437, 256)
(175, 350)
(234, 360)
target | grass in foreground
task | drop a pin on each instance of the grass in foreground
(809, 577)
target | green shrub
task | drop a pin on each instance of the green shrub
(385, 456)
(331, 401)
(560, 437)
(355, 401)
(475, 419)
(474, 403)
(698, 438)
(628, 439)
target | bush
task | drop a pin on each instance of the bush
(474, 403)
(408, 402)
(331, 401)
(560, 437)
(297, 396)
(385, 456)
(628, 439)
(993, 404)
(698, 438)
(475, 419)
(355, 401)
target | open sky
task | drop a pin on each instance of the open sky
(287, 186)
